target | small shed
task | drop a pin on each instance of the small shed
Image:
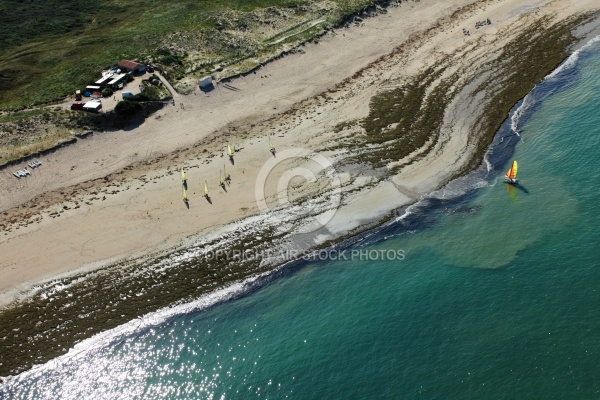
(93, 106)
(205, 82)
(132, 66)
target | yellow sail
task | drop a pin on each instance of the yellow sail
(222, 180)
(183, 177)
(271, 146)
(229, 150)
(205, 189)
(512, 172)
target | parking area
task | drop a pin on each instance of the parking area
(109, 103)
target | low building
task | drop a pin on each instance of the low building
(93, 106)
(133, 67)
(102, 81)
(116, 80)
(91, 89)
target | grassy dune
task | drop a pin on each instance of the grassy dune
(49, 48)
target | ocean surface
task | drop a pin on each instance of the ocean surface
(482, 291)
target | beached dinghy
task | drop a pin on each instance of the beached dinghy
(511, 175)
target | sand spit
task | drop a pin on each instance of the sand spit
(118, 196)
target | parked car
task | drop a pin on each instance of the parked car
(78, 105)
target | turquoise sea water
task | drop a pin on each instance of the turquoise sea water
(498, 295)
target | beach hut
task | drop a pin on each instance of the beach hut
(205, 82)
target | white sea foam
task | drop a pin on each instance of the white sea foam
(524, 107)
(488, 165)
(104, 339)
(529, 99)
(571, 61)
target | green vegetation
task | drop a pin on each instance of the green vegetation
(20, 115)
(49, 48)
(107, 92)
(128, 107)
(154, 89)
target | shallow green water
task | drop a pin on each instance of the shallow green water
(498, 296)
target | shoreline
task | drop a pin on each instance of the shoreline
(382, 190)
(50, 193)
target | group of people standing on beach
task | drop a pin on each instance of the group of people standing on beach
(478, 25)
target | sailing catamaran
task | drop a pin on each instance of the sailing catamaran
(222, 180)
(229, 150)
(205, 189)
(185, 198)
(511, 175)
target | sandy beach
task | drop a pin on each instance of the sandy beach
(115, 195)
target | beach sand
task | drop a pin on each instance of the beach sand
(118, 194)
